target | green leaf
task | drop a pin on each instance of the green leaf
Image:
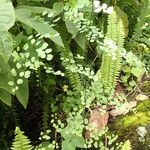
(68, 145)
(17, 39)
(5, 97)
(5, 76)
(23, 93)
(71, 27)
(4, 80)
(4, 65)
(7, 15)
(6, 45)
(126, 146)
(132, 83)
(57, 9)
(25, 16)
(79, 142)
(21, 142)
(81, 41)
(137, 72)
(82, 3)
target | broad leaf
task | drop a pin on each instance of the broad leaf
(5, 97)
(4, 80)
(7, 15)
(5, 76)
(137, 71)
(25, 16)
(81, 41)
(57, 9)
(66, 145)
(71, 27)
(6, 45)
(17, 39)
(78, 141)
(23, 93)
(66, 136)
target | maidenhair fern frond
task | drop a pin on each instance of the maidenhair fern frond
(74, 77)
(21, 142)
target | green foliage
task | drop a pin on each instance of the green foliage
(111, 62)
(7, 19)
(133, 69)
(126, 145)
(144, 12)
(123, 17)
(7, 15)
(21, 142)
(46, 144)
(72, 75)
(5, 97)
(7, 82)
(6, 45)
(71, 57)
(24, 15)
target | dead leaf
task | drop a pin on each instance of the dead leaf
(124, 109)
(141, 97)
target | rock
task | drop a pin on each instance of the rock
(97, 121)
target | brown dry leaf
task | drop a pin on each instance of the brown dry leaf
(141, 97)
(124, 109)
(97, 121)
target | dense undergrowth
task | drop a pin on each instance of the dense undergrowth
(68, 68)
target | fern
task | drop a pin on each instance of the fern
(74, 77)
(144, 12)
(124, 18)
(110, 67)
(21, 142)
(45, 114)
(112, 26)
(126, 146)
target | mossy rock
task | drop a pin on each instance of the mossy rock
(126, 126)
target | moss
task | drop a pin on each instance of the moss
(144, 106)
(141, 117)
(126, 126)
(135, 120)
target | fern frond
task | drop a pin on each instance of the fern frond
(45, 114)
(105, 68)
(112, 26)
(123, 17)
(120, 42)
(21, 142)
(74, 77)
(110, 67)
(144, 12)
(126, 146)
